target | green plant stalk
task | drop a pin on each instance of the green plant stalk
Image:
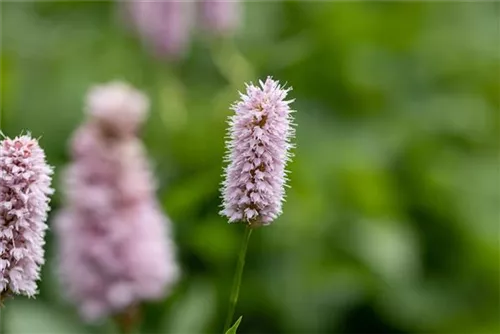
(128, 320)
(2, 315)
(122, 329)
(235, 290)
(4, 296)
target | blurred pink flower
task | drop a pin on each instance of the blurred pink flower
(221, 17)
(258, 149)
(25, 179)
(117, 107)
(165, 26)
(114, 241)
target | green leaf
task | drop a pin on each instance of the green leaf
(193, 312)
(33, 316)
(233, 329)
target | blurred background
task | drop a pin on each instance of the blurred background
(391, 223)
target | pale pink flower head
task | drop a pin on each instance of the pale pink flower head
(25, 179)
(258, 149)
(221, 17)
(115, 248)
(164, 26)
(118, 107)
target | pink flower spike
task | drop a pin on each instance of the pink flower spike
(164, 26)
(221, 17)
(258, 149)
(25, 179)
(114, 243)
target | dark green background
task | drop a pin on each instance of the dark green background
(391, 222)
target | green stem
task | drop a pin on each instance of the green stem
(2, 315)
(122, 327)
(235, 290)
(3, 297)
(127, 320)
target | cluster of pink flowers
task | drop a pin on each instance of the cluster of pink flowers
(114, 244)
(258, 149)
(25, 179)
(166, 26)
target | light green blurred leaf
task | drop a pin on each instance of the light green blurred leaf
(31, 316)
(194, 311)
(233, 329)
(388, 248)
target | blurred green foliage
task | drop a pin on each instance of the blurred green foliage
(391, 222)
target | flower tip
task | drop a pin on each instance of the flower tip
(117, 105)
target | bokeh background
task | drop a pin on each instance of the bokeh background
(391, 224)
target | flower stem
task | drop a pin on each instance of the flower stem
(2, 315)
(3, 297)
(127, 320)
(235, 290)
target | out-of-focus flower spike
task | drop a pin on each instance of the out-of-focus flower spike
(164, 26)
(115, 249)
(221, 17)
